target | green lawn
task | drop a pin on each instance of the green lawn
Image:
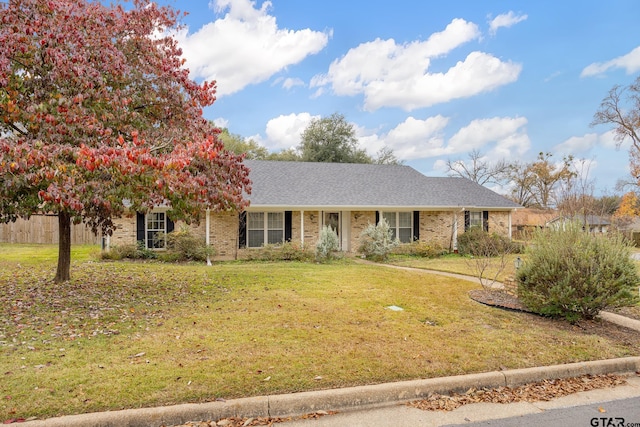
(132, 334)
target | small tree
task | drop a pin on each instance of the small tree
(574, 274)
(376, 241)
(327, 245)
(489, 254)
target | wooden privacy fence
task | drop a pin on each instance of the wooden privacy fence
(44, 229)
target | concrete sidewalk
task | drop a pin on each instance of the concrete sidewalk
(345, 400)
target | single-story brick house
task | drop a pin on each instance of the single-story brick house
(292, 201)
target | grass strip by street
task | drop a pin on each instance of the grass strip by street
(133, 334)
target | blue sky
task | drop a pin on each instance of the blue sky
(431, 80)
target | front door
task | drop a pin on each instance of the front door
(332, 220)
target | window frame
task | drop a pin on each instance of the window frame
(476, 222)
(268, 227)
(157, 231)
(395, 227)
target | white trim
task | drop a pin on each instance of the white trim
(273, 208)
(301, 228)
(207, 237)
(165, 231)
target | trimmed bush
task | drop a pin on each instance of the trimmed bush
(327, 245)
(420, 249)
(183, 245)
(132, 251)
(574, 274)
(376, 241)
(285, 251)
(478, 242)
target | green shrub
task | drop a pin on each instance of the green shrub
(286, 251)
(376, 241)
(478, 242)
(574, 274)
(131, 251)
(184, 245)
(420, 249)
(328, 244)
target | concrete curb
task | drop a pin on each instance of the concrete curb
(345, 399)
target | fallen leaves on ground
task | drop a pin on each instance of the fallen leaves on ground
(534, 392)
(99, 300)
(257, 421)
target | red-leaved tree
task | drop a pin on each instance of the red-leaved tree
(97, 111)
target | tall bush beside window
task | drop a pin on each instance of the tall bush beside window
(377, 241)
(573, 274)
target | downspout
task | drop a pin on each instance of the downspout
(207, 237)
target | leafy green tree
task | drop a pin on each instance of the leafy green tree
(331, 139)
(238, 145)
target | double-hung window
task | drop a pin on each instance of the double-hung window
(475, 219)
(264, 228)
(156, 230)
(401, 225)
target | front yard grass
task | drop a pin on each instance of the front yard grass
(131, 334)
(455, 263)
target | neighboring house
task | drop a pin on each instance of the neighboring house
(292, 201)
(594, 223)
(526, 221)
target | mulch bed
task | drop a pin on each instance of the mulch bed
(499, 299)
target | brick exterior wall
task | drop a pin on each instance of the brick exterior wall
(125, 231)
(359, 221)
(223, 234)
(434, 227)
(438, 227)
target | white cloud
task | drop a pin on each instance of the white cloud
(509, 135)
(228, 48)
(396, 74)
(629, 62)
(585, 143)
(505, 20)
(283, 132)
(221, 122)
(577, 144)
(289, 83)
(415, 138)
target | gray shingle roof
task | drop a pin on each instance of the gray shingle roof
(350, 186)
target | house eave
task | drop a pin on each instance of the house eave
(267, 207)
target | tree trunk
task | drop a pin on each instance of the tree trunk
(64, 247)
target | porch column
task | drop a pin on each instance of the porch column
(302, 228)
(510, 225)
(207, 237)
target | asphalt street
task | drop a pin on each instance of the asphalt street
(595, 408)
(622, 413)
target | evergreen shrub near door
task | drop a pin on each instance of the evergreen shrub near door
(574, 274)
(328, 244)
(377, 242)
